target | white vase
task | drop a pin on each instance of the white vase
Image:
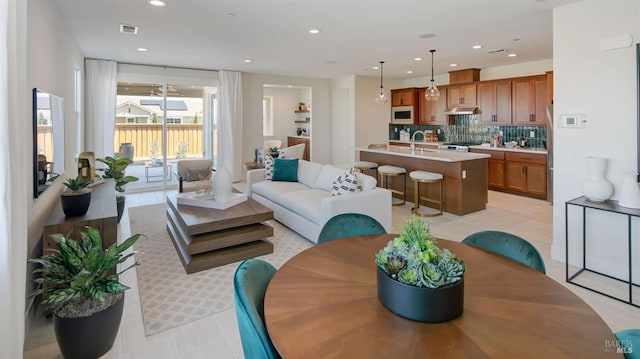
(222, 184)
(630, 193)
(596, 187)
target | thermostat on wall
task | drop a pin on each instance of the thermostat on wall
(573, 121)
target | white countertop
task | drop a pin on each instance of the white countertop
(541, 151)
(427, 154)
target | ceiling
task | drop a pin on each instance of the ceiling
(354, 34)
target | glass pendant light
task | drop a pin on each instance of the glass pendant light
(432, 93)
(382, 97)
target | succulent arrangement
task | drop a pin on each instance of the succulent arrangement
(81, 271)
(413, 258)
(76, 184)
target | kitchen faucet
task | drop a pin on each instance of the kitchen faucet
(413, 139)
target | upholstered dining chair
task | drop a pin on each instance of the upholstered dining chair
(508, 245)
(250, 284)
(349, 224)
(629, 340)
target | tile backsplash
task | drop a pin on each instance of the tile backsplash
(467, 130)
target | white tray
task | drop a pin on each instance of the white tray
(208, 200)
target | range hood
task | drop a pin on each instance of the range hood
(461, 111)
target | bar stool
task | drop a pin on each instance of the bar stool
(387, 171)
(361, 166)
(425, 177)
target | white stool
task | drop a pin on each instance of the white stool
(425, 177)
(387, 171)
(361, 166)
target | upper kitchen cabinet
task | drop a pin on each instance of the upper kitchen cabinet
(530, 100)
(464, 76)
(404, 97)
(494, 102)
(432, 112)
(462, 95)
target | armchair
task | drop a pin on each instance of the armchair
(192, 173)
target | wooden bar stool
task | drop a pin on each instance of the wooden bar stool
(425, 177)
(361, 166)
(387, 171)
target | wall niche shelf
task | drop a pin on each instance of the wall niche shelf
(624, 290)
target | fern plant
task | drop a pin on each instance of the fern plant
(81, 269)
(413, 258)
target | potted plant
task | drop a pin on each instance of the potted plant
(79, 283)
(274, 152)
(76, 198)
(115, 169)
(418, 280)
(301, 106)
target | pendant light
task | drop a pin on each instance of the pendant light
(432, 93)
(382, 97)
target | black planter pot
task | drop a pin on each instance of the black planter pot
(431, 305)
(75, 205)
(88, 337)
(120, 206)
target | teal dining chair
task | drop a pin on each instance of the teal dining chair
(629, 341)
(250, 284)
(349, 224)
(508, 245)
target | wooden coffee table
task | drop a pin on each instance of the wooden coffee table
(205, 238)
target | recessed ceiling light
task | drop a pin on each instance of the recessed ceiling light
(417, 59)
(314, 31)
(230, 14)
(409, 71)
(477, 46)
(248, 60)
(157, 2)
(516, 39)
(512, 55)
(426, 36)
(453, 65)
(142, 49)
(376, 67)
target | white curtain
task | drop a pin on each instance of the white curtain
(230, 133)
(15, 153)
(100, 100)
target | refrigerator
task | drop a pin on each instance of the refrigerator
(550, 153)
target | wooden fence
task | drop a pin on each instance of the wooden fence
(147, 139)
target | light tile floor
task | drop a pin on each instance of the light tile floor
(217, 336)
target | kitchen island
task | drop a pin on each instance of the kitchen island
(465, 174)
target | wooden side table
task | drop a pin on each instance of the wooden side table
(254, 165)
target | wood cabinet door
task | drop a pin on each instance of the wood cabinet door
(430, 112)
(425, 108)
(469, 93)
(522, 97)
(536, 179)
(496, 173)
(540, 100)
(503, 103)
(487, 103)
(515, 178)
(403, 97)
(440, 107)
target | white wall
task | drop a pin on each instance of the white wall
(343, 120)
(603, 86)
(372, 119)
(252, 92)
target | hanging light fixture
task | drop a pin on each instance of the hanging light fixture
(382, 97)
(432, 93)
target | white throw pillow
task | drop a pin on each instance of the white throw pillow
(346, 183)
(268, 167)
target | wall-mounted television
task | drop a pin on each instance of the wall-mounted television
(48, 140)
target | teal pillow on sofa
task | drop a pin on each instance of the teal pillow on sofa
(285, 170)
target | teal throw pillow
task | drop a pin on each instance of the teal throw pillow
(285, 170)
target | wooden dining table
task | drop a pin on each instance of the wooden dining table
(323, 302)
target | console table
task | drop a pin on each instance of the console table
(607, 206)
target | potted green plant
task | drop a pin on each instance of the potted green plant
(274, 152)
(116, 167)
(301, 106)
(418, 280)
(76, 198)
(79, 283)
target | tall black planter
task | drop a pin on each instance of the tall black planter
(431, 305)
(88, 337)
(120, 206)
(74, 205)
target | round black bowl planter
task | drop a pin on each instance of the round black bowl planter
(431, 305)
(74, 205)
(88, 337)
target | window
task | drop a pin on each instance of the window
(131, 120)
(174, 119)
(267, 116)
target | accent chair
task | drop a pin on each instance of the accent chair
(349, 224)
(508, 245)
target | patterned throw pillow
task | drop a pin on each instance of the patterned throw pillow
(346, 183)
(268, 167)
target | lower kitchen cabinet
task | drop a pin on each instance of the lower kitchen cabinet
(496, 169)
(526, 173)
(292, 141)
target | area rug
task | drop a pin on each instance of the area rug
(169, 297)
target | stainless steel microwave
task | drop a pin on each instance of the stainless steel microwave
(402, 114)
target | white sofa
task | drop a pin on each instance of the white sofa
(305, 206)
